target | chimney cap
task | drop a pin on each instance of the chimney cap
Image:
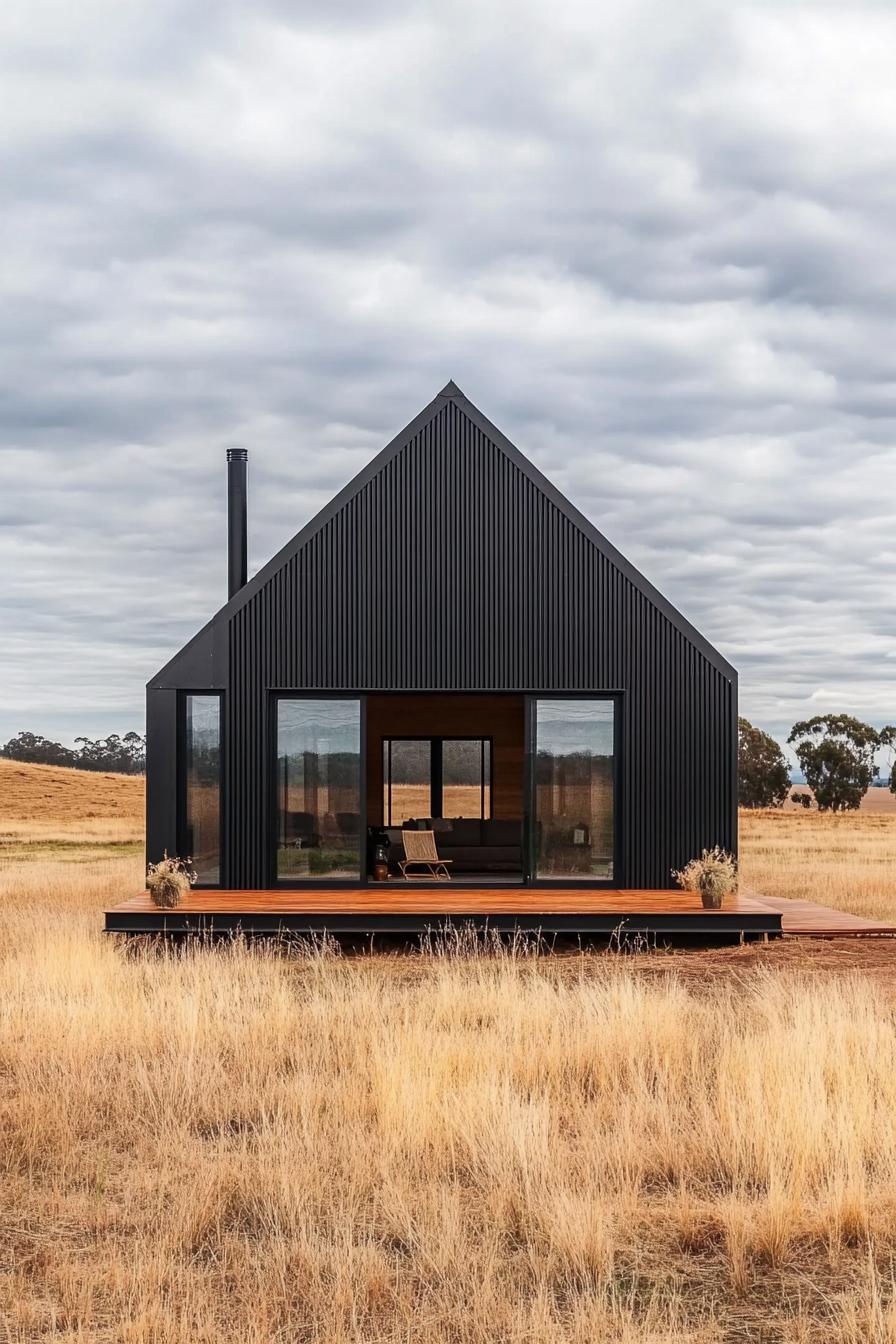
(237, 454)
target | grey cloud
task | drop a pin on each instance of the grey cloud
(658, 261)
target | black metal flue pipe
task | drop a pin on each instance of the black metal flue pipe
(237, 519)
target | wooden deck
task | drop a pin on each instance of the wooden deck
(808, 920)
(413, 908)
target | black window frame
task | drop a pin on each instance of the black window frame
(436, 782)
(181, 827)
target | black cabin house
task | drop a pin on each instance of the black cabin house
(448, 647)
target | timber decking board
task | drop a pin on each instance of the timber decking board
(444, 899)
(806, 919)
(389, 905)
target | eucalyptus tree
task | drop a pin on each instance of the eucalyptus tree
(888, 739)
(836, 753)
(763, 779)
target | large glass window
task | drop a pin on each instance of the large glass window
(436, 777)
(573, 834)
(201, 839)
(318, 789)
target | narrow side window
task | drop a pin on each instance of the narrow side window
(201, 786)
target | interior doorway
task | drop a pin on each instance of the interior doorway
(453, 764)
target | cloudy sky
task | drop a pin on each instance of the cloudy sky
(655, 243)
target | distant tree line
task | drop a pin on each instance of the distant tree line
(835, 751)
(123, 755)
(836, 755)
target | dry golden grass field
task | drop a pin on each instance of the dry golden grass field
(447, 1147)
(46, 802)
(847, 862)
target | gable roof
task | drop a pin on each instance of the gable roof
(452, 393)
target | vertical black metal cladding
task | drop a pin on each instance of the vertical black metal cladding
(161, 772)
(450, 564)
(237, 519)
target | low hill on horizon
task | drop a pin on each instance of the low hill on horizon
(52, 794)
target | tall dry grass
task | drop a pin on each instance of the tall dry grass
(235, 1145)
(41, 832)
(239, 1145)
(847, 862)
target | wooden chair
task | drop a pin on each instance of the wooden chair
(420, 851)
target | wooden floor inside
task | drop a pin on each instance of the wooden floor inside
(415, 907)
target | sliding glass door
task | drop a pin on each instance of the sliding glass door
(318, 789)
(572, 776)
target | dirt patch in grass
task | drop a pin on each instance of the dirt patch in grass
(705, 967)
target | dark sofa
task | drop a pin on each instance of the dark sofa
(472, 846)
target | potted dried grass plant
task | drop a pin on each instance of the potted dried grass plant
(168, 879)
(714, 875)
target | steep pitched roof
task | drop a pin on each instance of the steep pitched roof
(451, 392)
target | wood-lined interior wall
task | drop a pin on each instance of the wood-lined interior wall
(499, 717)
